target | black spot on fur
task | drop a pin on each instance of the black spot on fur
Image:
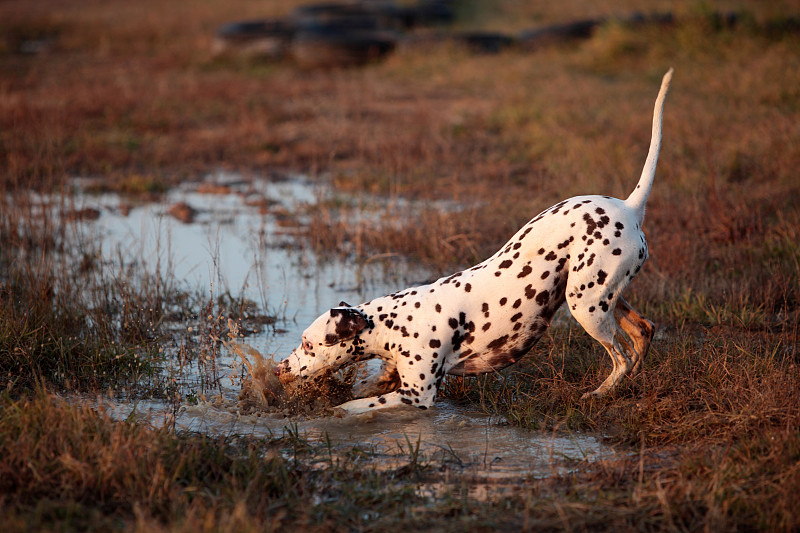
(530, 292)
(542, 298)
(591, 225)
(498, 343)
(456, 341)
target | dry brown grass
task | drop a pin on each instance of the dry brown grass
(71, 467)
(134, 90)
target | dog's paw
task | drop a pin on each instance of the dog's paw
(338, 412)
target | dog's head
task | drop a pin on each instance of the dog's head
(328, 343)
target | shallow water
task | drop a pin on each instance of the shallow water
(234, 244)
(465, 441)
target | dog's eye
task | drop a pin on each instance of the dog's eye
(307, 346)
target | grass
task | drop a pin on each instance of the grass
(58, 327)
(75, 468)
(131, 95)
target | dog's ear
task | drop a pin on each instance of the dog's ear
(343, 324)
(344, 304)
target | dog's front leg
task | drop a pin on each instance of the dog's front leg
(417, 395)
(384, 401)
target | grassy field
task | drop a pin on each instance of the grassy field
(130, 93)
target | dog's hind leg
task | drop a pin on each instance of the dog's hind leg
(639, 329)
(600, 322)
(618, 349)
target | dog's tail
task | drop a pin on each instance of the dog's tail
(638, 198)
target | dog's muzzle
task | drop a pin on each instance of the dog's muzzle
(281, 368)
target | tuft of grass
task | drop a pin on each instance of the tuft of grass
(70, 466)
(66, 320)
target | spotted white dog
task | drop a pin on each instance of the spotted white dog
(585, 250)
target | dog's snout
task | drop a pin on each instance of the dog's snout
(281, 368)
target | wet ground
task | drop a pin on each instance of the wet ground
(240, 237)
(458, 440)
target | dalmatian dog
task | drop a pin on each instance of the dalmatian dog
(584, 250)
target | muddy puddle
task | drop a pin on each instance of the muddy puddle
(457, 439)
(241, 238)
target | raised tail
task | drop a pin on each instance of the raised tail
(638, 198)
